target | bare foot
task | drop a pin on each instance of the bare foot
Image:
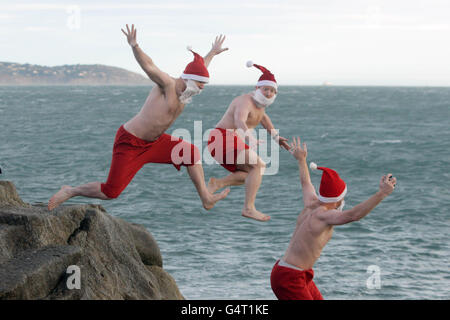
(209, 204)
(62, 195)
(255, 214)
(213, 186)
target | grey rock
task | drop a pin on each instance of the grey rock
(9, 195)
(38, 273)
(116, 259)
(146, 246)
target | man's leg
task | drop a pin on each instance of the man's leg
(223, 148)
(90, 190)
(180, 152)
(124, 166)
(255, 168)
(233, 179)
(198, 178)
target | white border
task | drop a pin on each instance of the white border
(194, 77)
(267, 83)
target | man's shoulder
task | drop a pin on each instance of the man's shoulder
(171, 81)
(317, 210)
(169, 84)
(324, 214)
(243, 101)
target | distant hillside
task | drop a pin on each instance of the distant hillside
(79, 74)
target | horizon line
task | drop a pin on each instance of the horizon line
(324, 83)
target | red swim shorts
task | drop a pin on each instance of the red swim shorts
(292, 284)
(130, 153)
(225, 145)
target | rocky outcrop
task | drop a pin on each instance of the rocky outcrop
(116, 259)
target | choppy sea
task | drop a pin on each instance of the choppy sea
(50, 136)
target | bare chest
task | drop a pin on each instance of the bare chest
(314, 227)
(254, 117)
(162, 106)
(156, 115)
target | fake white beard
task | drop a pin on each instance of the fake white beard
(190, 91)
(261, 100)
(341, 207)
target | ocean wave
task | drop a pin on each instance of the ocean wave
(373, 142)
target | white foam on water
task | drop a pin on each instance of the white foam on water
(373, 142)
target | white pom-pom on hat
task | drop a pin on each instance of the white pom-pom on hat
(249, 64)
(189, 48)
(313, 166)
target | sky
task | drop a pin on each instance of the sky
(343, 42)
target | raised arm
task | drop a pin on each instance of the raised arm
(161, 78)
(268, 125)
(299, 153)
(215, 50)
(335, 217)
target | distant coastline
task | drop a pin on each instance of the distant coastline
(16, 74)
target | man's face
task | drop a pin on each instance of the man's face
(267, 91)
(193, 88)
(200, 84)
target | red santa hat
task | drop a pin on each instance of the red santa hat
(267, 78)
(196, 70)
(332, 187)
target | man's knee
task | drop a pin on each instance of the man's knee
(258, 163)
(114, 194)
(185, 153)
(110, 192)
(262, 166)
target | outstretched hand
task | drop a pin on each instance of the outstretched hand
(283, 142)
(387, 184)
(131, 35)
(297, 151)
(217, 45)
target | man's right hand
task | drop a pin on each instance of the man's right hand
(297, 151)
(387, 184)
(131, 36)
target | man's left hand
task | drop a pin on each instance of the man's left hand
(217, 45)
(297, 151)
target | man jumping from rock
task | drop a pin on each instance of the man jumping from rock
(292, 275)
(226, 142)
(143, 139)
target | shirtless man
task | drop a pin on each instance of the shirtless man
(292, 276)
(226, 142)
(143, 139)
